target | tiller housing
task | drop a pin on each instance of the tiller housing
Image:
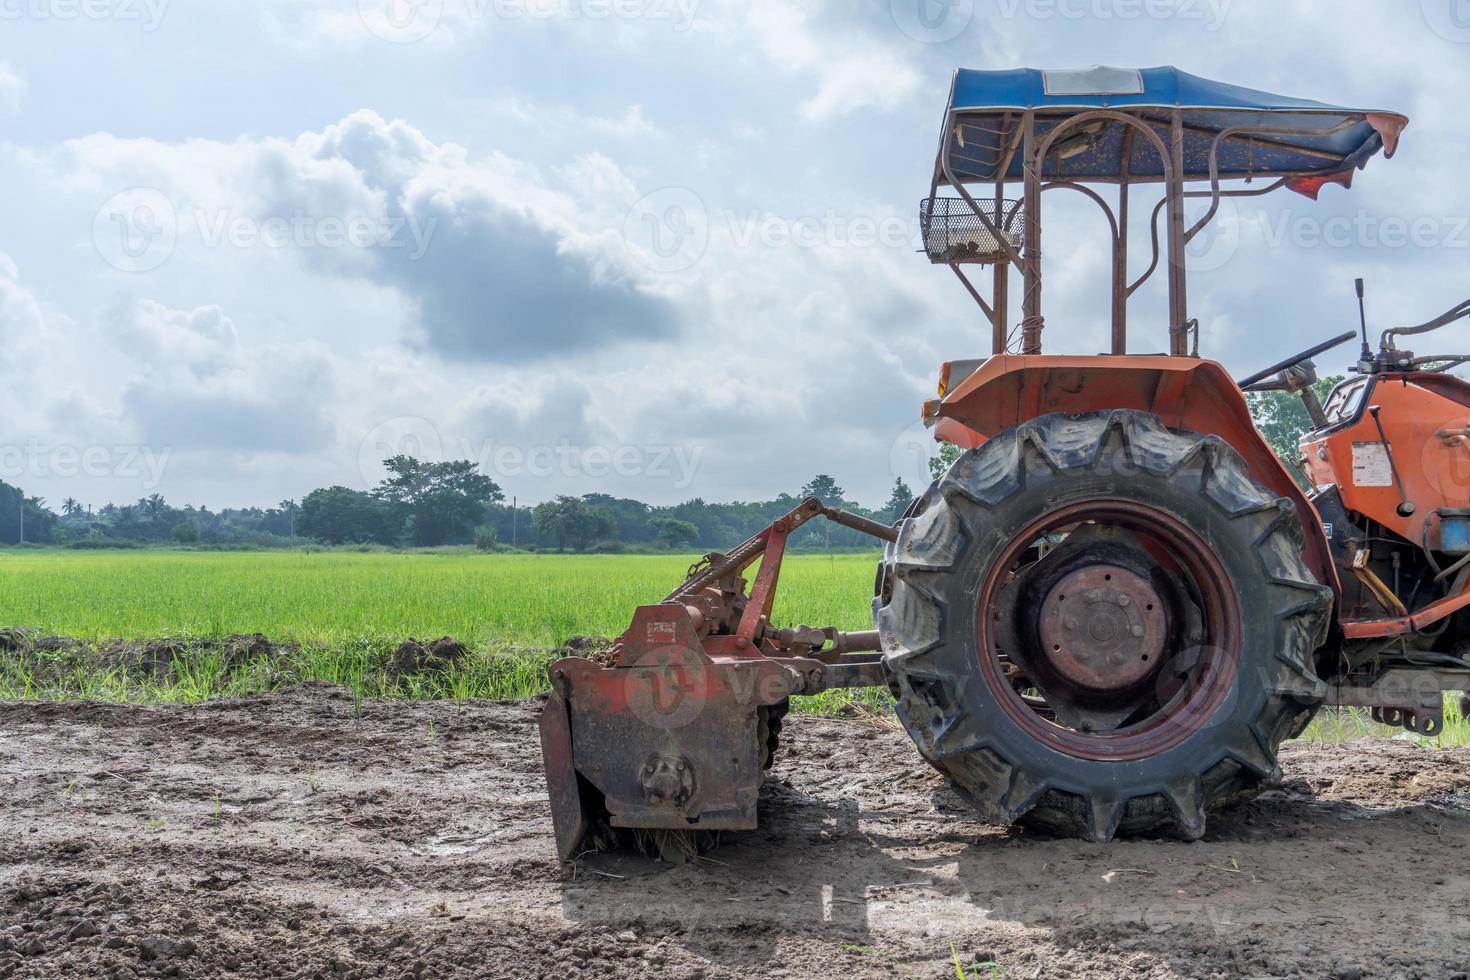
(675, 729)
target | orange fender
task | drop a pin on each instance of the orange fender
(1183, 392)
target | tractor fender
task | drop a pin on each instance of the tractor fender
(1183, 392)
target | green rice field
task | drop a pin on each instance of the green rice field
(339, 616)
(485, 601)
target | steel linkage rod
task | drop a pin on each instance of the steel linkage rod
(744, 555)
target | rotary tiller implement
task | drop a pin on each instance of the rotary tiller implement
(1118, 602)
(674, 731)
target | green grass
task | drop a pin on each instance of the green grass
(346, 612)
(333, 598)
(1338, 724)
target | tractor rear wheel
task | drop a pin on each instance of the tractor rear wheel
(1099, 625)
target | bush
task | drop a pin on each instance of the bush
(485, 537)
(186, 532)
(104, 544)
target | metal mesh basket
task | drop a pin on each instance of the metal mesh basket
(953, 233)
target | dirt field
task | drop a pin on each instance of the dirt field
(304, 835)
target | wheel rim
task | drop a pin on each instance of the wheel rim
(1133, 641)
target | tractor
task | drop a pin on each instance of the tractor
(1118, 602)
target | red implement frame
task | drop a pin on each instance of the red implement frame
(673, 731)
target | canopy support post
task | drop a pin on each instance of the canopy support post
(1031, 258)
(1178, 277)
(1000, 293)
(1120, 251)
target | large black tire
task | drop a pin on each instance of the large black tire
(926, 612)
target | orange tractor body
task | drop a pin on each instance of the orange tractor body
(1428, 414)
(1115, 605)
(1184, 392)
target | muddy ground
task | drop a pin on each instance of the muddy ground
(303, 834)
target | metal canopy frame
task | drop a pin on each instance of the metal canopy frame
(1018, 134)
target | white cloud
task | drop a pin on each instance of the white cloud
(860, 72)
(204, 339)
(20, 311)
(12, 87)
(196, 388)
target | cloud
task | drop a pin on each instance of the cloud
(862, 72)
(508, 271)
(494, 295)
(316, 24)
(499, 266)
(629, 124)
(12, 87)
(204, 339)
(494, 288)
(198, 388)
(20, 312)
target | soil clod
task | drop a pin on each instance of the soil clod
(413, 657)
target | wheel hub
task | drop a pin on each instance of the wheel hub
(1102, 627)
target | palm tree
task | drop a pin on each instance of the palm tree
(70, 506)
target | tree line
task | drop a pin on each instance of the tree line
(432, 504)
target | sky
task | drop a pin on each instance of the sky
(659, 249)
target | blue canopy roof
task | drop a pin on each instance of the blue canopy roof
(986, 106)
